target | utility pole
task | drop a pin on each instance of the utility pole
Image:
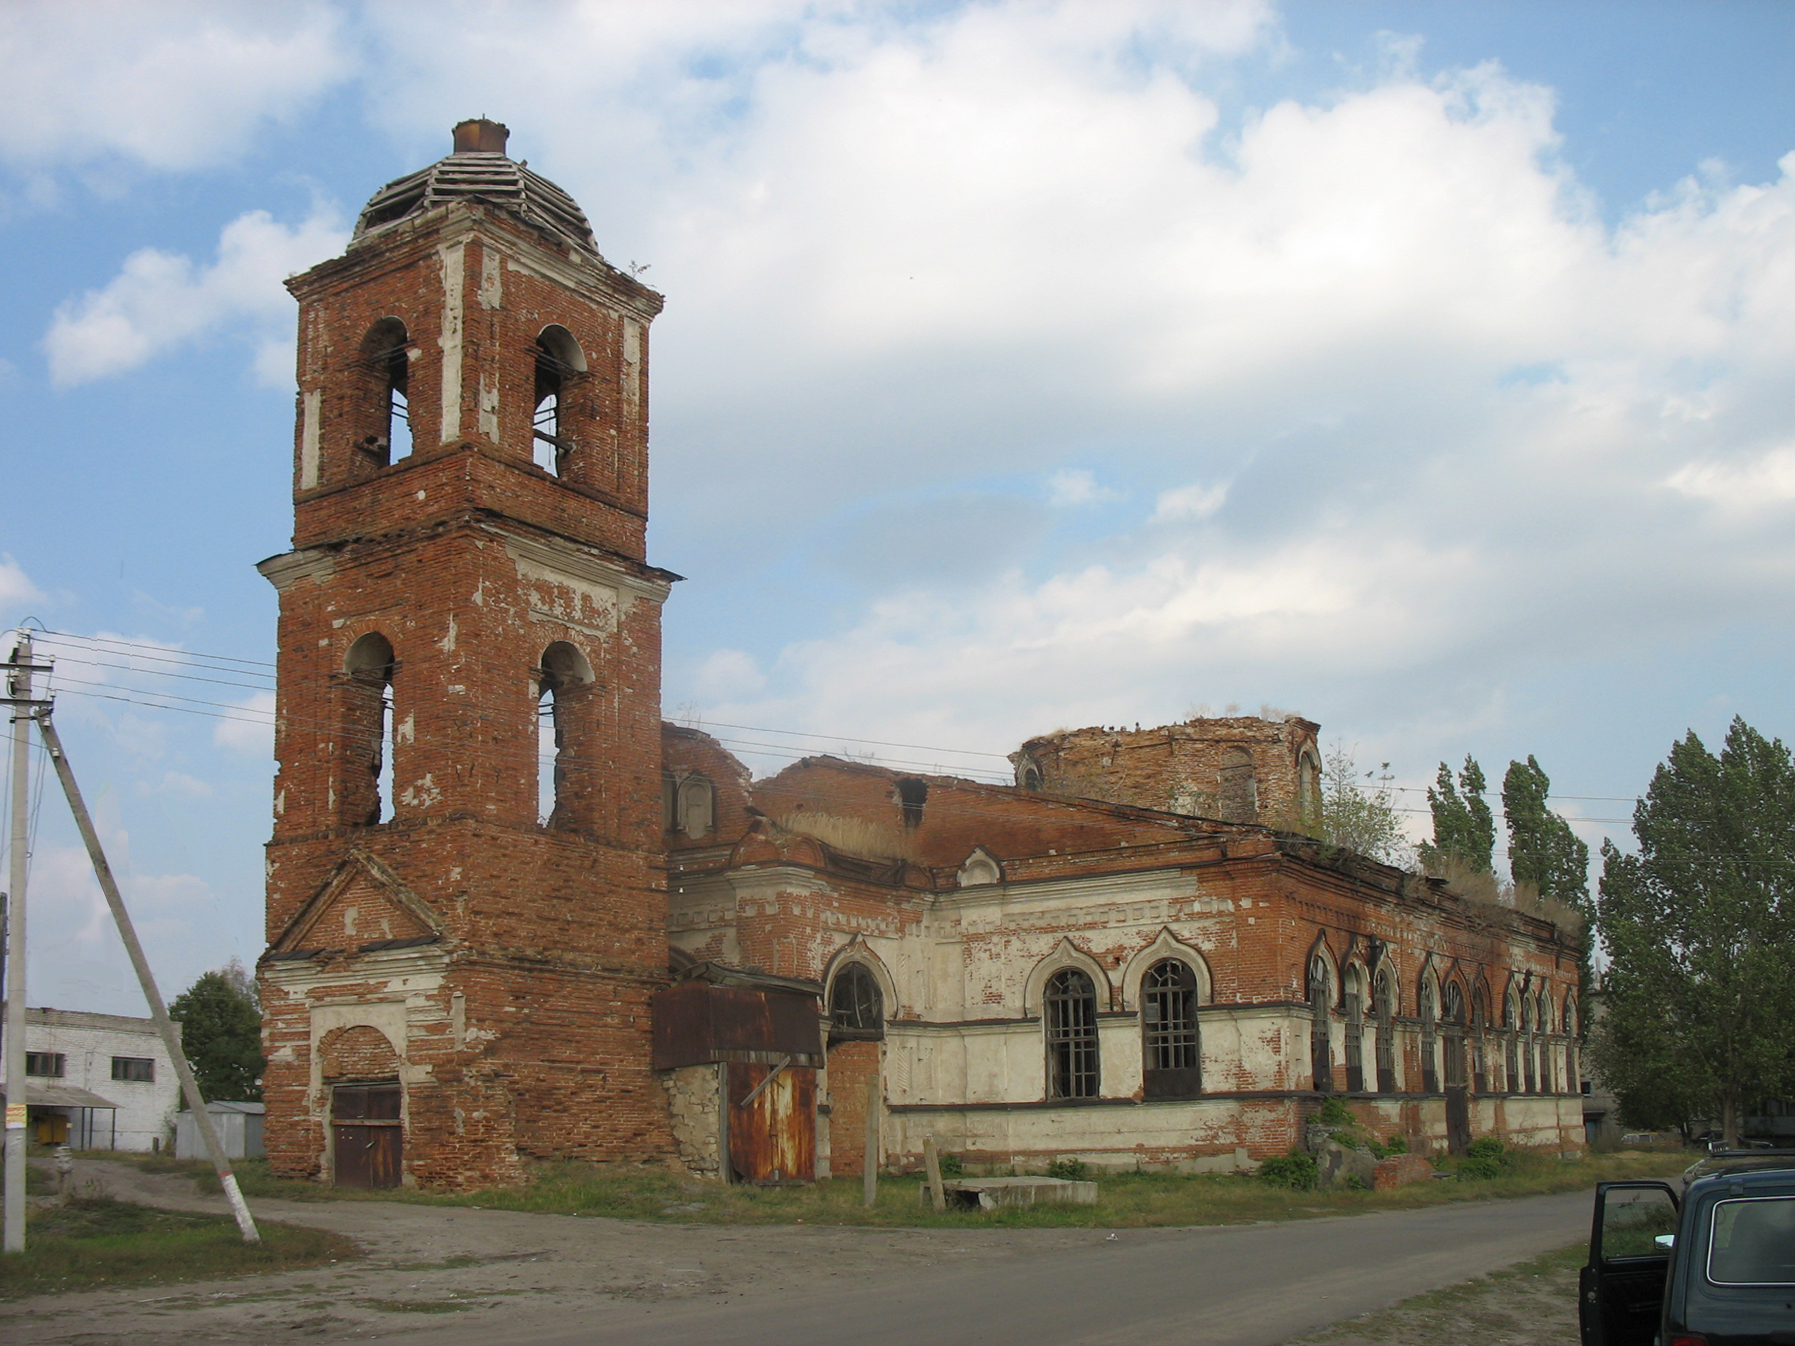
(171, 1038)
(19, 695)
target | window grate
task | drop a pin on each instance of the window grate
(1169, 1014)
(1071, 1035)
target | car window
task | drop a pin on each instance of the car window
(1632, 1218)
(1753, 1241)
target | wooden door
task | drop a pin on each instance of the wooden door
(367, 1136)
(1458, 1119)
(772, 1130)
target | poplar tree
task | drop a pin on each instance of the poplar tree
(1464, 827)
(1542, 849)
(1700, 932)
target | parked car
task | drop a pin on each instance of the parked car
(1713, 1268)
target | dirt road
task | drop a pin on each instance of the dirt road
(461, 1277)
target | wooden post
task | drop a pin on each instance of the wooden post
(932, 1162)
(870, 1179)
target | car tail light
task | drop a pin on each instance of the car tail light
(1687, 1339)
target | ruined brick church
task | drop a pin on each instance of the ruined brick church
(512, 914)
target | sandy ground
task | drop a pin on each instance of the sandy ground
(456, 1276)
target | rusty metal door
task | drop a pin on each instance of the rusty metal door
(772, 1122)
(367, 1137)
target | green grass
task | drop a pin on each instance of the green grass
(1129, 1200)
(95, 1242)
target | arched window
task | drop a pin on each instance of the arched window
(365, 795)
(1511, 1043)
(1029, 777)
(1308, 787)
(1531, 1080)
(560, 766)
(559, 361)
(1430, 1014)
(1355, 1028)
(1174, 1060)
(697, 807)
(1386, 1032)
(384, 419)
(1321, 1052)
(1573, 1082)
(1480, 1023)
(1071, 1014)
(1453, 1015)
(856, 1009)
(1239, 796)
(1547, 1085)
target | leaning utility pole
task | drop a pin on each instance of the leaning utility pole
(158, 1011)
(19, 696)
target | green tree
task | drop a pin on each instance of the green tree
(1542, 849)
(1544, 855)
(1361, 819)
(221, 1032)
(1700, 932)
(1464, 827)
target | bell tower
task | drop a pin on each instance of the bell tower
(466, 902)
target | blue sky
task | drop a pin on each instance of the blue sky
(1421, 368)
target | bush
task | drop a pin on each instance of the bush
(1073, 1170)
(1397, 1144)
(1296, 1170)
(951, 1167)
(1485, 1157)
(1335, 1113)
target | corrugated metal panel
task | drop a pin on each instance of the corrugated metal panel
(695, 1023)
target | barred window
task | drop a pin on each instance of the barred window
(1169, 1031)
(138, 1069)
(1386, 1032)
(1071, 1035)
(855, 1006)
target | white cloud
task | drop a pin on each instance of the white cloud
(1073, 487)
(179, 783)
(160, 301)
(1195, 501)
(248, 726)
(1764, 482)
(165, 85)
(15, 585)
(728, 675)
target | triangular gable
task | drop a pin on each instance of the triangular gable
(361, 902)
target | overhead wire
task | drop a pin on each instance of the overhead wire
(820, 745)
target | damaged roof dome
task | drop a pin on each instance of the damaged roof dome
(478, 169)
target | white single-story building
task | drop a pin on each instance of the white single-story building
(98, 1081)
